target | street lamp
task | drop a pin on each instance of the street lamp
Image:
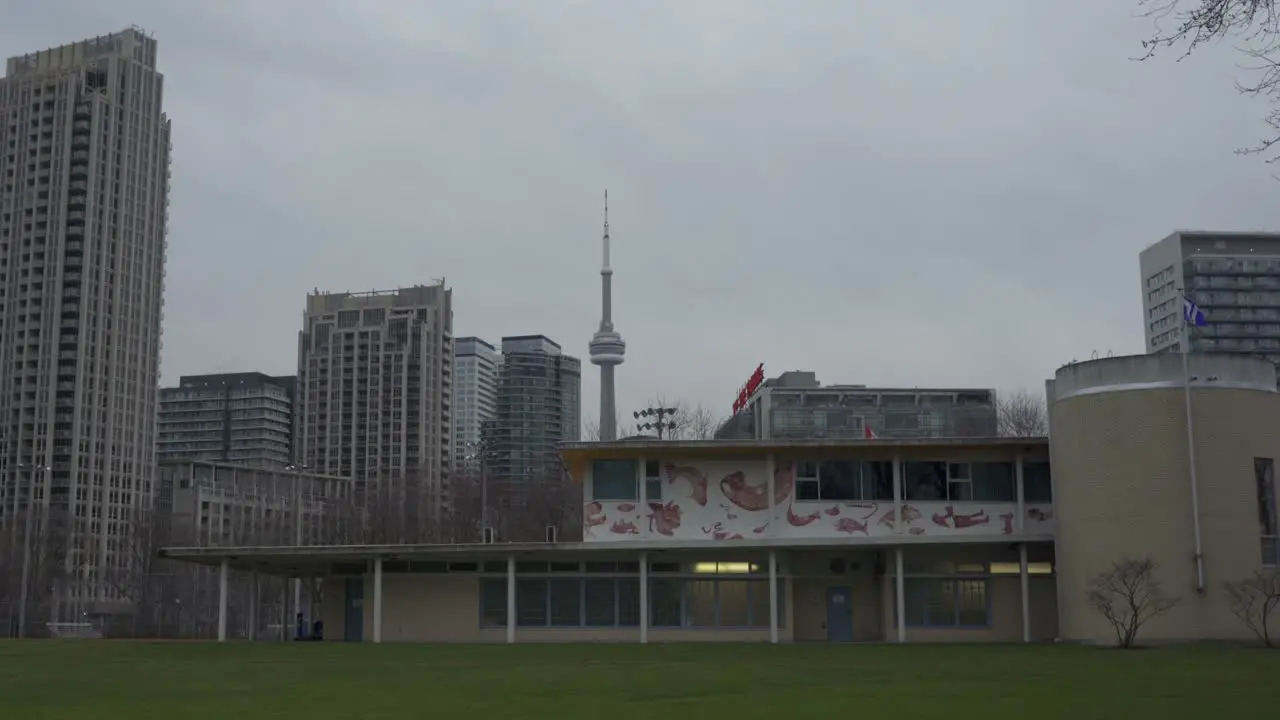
(26, 542)
(660, 422)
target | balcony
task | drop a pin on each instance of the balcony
(81, 126)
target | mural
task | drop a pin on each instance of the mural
(730, 501)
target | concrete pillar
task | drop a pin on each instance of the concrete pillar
(773, 596)
(222, 602)
(644, 598)
(900, 599)
(1025, 579)
(511, 599)
(377, 600)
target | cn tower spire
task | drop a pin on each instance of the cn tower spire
(607, 348)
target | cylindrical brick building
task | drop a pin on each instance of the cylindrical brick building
(1122, 485)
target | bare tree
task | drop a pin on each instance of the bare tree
(591, 428)
(1253, 599)
(1021, 413)
(1188, 24)
(1128, 595)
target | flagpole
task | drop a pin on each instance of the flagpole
(1189, 316)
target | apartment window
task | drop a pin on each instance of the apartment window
(653, 480)
(981, 481)
(614, 480)
(1264, 474)
(1036, 484)
(844, 480)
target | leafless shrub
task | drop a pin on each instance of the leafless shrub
(1253, 599)
(1128, 595)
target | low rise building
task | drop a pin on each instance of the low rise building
(929, 539)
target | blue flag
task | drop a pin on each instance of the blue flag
(1192, 313)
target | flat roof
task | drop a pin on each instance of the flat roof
(743, 447)
(286, 560)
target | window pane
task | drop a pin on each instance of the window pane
(653, 489)
(629, 603)
(993, 482)
(614, 480)
(1037, 487)
(760, 604)
(925, 480)
(877, 480)
(734, 608)
(960, 491)
(566, 602)
(493, 602)
(700, 603)
(836, 480)
(916, 601)
(782, 603)
(972, 603)
(1264, 473)
(664, 603)
(531, 603)
(941, 607)
(601, 609)
(806, 489)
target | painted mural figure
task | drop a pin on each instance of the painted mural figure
(664, 519)
(696, 478)
(949, 519)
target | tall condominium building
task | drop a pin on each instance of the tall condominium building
(795, 406)
(84, 194)
(375, 393)
(1235, 279)
(539, 406)
(244, 418)
(476, 364)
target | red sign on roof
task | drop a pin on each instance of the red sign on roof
(744, 394)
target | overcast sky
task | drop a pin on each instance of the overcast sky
(903, 192)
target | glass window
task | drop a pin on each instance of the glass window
(665, 603)
(877, 480)
(925, 480)
(531, 603)
(1264, 474)
(700, 603)
(565, 601)
(942, 602)
(837, 480)
(493, 602)
(994, 482)
(628, 602)
(652, 480)
(614, 480)
(735, 603)
(601, 603)
(1036, 483)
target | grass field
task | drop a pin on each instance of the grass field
(135, 679)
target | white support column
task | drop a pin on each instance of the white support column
(1026, 592)
(1019, 523)
(897, 497)
(253, 606)
(644, 598)
(900, 598)
(377, 600)
(222, 602)
(773, 596)
(511, 599)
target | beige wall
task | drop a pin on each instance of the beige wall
(1121, 487)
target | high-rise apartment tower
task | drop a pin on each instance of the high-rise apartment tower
(375, 395)
(476, 365)
(539, 406)
(84, 194)
(1235, 279)
(244, 418)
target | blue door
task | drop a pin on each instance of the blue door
(839, 614)
(354, 610)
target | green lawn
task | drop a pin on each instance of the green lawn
(104, 679)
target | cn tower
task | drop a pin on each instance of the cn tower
(607, 348)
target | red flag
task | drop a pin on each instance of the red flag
(868, 433)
